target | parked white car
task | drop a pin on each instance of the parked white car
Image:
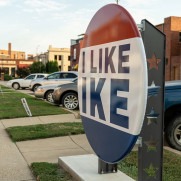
(54, 78)
(25, 83)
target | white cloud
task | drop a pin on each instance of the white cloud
(5, 2)
(28, 10)
(43, 6)
(84, 11)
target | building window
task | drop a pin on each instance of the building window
(69, 68)
(55, 57)
(6, 70)
(60, 57)
(176, 71)
(69, 58)
(74, 54)
(180, 37)
(166, 61)
(60, 68)
(13, 72)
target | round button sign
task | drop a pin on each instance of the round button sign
(112, 83)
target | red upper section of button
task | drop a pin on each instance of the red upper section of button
(111, 23)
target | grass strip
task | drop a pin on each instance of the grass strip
(4, 87)
(22, 133)
(171, 166)
(49, 172)
(8, 90)
(12, 107)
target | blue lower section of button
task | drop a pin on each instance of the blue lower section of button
(110, 145)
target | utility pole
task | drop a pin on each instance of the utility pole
(117, 1)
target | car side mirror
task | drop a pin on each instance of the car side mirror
(46, 78)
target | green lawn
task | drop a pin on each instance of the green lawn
(49, 172)
(12, 107)
(7, 90)
(22, 133)
(171, 166)
(4, 87)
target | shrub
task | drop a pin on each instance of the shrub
(52, 66)
(23, 72)
(37, 67)
(7, 77)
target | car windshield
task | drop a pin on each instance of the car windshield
(54, 76)
(30, 77)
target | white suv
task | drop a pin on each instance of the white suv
(54, 78)
(25, 83)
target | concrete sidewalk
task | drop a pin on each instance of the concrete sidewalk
(39, 120)
(15, 158)
(13, 167)
(49, 149)
(3, 83)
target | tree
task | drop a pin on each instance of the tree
(52, 66)
(23, 72)
(37, 67)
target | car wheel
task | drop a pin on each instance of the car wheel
(173, 133)
(49, 96)
(35, 87)
(16, 86)
(70, 101)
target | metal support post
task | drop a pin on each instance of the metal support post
(104, 167)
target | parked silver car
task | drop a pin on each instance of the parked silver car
(54, 78)
(25, 83)
(46, 91)
(67, 95)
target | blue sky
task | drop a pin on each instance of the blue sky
(33, 25)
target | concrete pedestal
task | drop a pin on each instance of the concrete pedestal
(85, 168)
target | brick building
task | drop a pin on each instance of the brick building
(172, 29)
(75, 51)
(11, 60)
(12, 54)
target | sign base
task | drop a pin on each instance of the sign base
(85, 168)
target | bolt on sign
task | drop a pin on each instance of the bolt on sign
(112, 83)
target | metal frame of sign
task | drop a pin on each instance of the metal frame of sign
(150, 154)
